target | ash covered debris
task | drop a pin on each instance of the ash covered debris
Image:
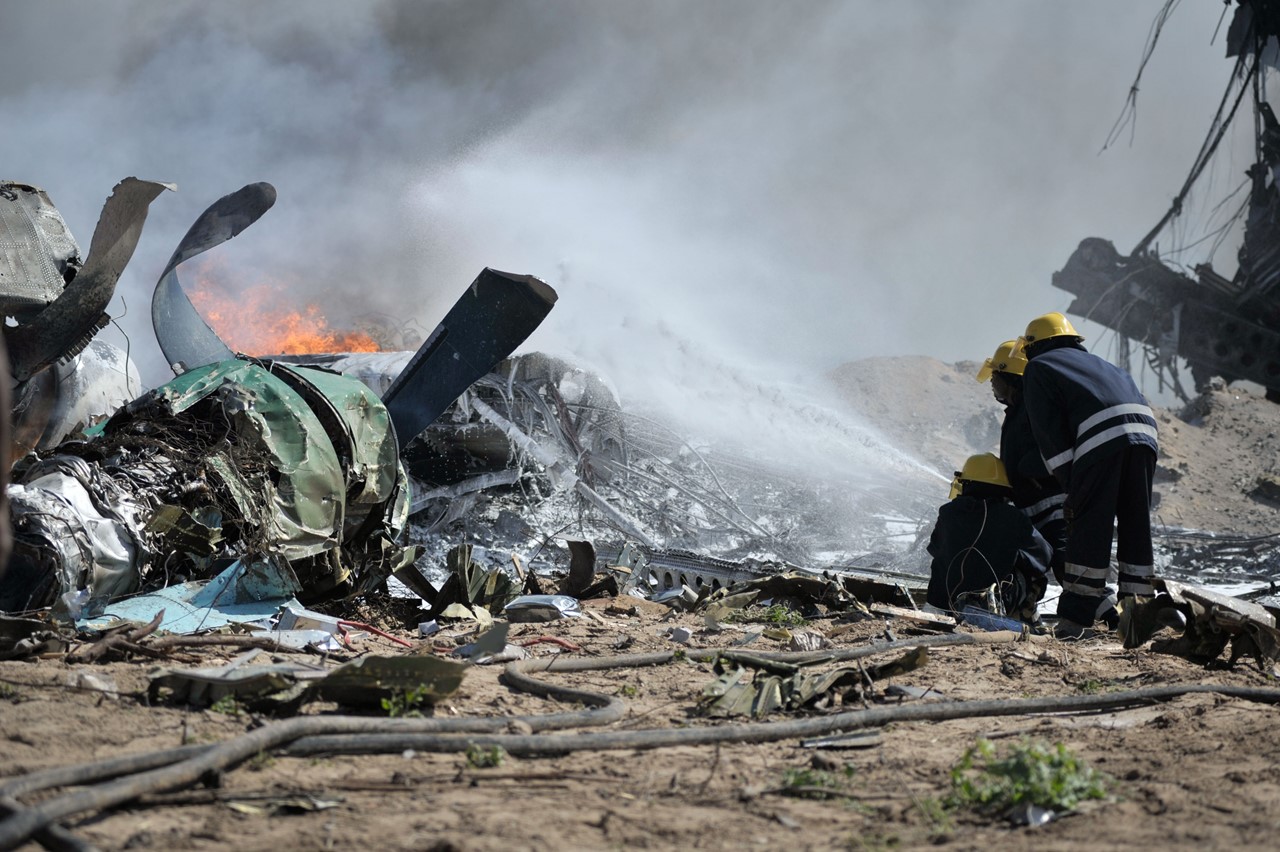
(55, 301)
(240, 459)
(232, 459)
(541, 450)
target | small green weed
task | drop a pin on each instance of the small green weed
(479, 757)
(227, 705)
(405, 702)
(803, 782)
(260, 761)
(628, 690)
(780, 615)
(873, 842)
(1031, 772)
(935, 813)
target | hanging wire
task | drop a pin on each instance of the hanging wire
(1129, 112)
(1217, 130)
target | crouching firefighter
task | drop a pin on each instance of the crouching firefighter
(1035, 490)
(1098, 437)
(985, 551)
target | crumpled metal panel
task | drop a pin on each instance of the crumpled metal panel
(36, 248)
(91, 549)
(306, 507)
(364, 434)
(62, 328)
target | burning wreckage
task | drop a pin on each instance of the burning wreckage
(287, 470)
(294, 473)
(322, 476)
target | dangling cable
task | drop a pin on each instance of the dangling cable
(1129, 112)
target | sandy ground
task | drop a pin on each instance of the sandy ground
(1195, 772)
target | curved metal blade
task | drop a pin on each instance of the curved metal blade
(184, 336)
(67, 324)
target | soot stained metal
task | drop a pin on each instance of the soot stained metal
(55, 302)
(245, 459)
(1220, 325)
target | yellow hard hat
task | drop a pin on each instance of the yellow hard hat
(1008, 359)
(983, 467)
(1047, 326)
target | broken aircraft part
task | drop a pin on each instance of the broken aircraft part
(185, 338)
(57, 302)
(238, 458)
(62, 327)
(1221, 326)
(495, 315)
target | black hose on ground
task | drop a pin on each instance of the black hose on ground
(177, 768)
(760, 732)
(516, 675)
(53, 837)
(427, 734)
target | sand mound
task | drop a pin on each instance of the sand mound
(1219, 466)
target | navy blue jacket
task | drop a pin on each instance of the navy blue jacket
(1032, 483)
(1083, 409)
(981, 541)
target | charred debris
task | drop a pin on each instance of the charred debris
(324, 476)
(1182, 312)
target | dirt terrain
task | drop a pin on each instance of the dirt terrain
(1219, 456)
(1193, 772)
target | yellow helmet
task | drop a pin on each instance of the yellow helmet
(1008, 359)
(1049, 325)
(983, 467)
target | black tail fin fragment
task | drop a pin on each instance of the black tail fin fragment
(493, 317)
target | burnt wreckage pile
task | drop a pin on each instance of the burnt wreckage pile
(236, 460)
(297, 463)
(1219, 325)
(258, 460)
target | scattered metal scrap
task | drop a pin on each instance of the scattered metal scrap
(755, 686)
(1213, 621)
(286, 465)
(57, 302)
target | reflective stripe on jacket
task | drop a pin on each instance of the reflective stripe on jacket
(1082, 409)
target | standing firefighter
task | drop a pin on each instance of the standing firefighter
(1035, 490)
(985, 552)
(1098, 437)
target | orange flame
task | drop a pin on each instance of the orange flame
(254, 322)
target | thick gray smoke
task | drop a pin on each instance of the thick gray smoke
(731, 196)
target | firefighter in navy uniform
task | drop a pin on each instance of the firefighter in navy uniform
(981, 540)
(1035, 491)
(1098, 437)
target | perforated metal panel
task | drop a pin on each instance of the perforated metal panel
(36, 249)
